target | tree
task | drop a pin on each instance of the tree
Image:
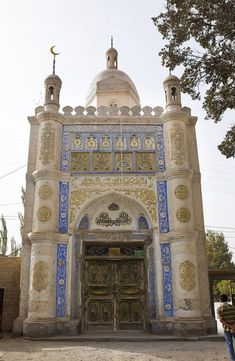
(200, 35)
(3, 236)
(227, 147)
(219, 256)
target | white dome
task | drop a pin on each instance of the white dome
(111, 81)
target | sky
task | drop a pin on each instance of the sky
(81, 32)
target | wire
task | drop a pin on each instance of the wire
(13, 171)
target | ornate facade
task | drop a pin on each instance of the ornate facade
(114, 236)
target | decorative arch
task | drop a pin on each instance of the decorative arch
(132, 206)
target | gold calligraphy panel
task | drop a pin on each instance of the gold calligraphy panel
(102, 162)
(123, 162)
(145, 161)
(80, 162)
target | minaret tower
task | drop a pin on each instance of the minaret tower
(45, 236)
(186, 229)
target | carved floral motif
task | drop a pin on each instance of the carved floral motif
(40, 276)
(123, 161)
(145, 161)
(102, 162)
(183, 215)
(44, 214)
(177, 148)
(45, 191)
(47, 144)
(181, 191)
(80, 162)
(187, 275)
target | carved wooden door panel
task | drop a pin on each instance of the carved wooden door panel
(114, 294)
(99, 302)
(130, 294)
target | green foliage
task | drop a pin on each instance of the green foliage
(3, 236)
(218, 253)
(219, 256)
(227, 147)
(15, 251)
(200, 35)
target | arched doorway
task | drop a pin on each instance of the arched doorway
(113, 238)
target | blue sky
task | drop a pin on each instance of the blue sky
(81, 31)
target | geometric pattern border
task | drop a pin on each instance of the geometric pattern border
(65, 151)
(160, 149)
(167, 279)
(61, 265)
(163, 217)
(63, 206)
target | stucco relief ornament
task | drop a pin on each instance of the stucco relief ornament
(45, 191)
(80, 162)
(181, 191)
(44, 214)
(47, 144)
(91, 142)
(187, 275)
(134, 142)
(77, 142)
(177, 144)
(102, 162)
(105, 142)
(120, 143)
(40, 276)
(149, 143)
(124, 162)
(183, 215)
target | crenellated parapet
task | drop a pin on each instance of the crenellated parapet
(135, 111)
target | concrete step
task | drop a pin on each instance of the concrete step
(124, 337)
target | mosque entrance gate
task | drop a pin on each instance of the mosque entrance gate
(114, 292)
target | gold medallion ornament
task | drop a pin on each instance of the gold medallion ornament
(183, 215)
(45, 191)
(187, 275)
(44, 214)
(181, 191)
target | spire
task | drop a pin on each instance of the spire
(112, 57)
(54, 55)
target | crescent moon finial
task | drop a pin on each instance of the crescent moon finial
(54, 55)
(53, 51)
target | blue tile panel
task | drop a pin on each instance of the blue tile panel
(167, 279)
(160, 148)
(152, 288)
(61, 280)
(65, 153)
(70, 132)
(63, 206)
(163, 217)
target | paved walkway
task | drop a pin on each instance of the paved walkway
(18, 349)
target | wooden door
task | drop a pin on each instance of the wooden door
(114, 294)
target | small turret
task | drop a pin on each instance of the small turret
(172, 91)
(112, 58)
(52, 92)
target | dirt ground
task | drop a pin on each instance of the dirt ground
(18, 349)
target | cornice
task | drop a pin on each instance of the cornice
(50, 116)
(44, 237)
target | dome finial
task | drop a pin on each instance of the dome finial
(112, 57)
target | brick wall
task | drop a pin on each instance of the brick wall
(10, 282)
